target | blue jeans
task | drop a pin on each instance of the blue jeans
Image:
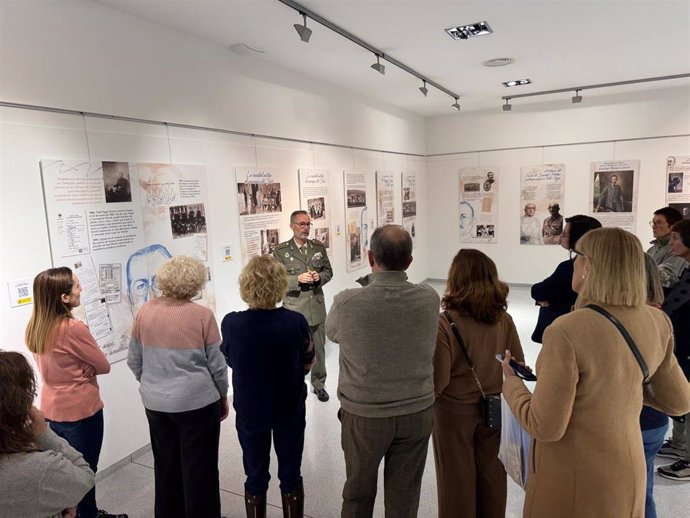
(652, 440)
(85, 436)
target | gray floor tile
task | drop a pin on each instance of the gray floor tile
(128, 490)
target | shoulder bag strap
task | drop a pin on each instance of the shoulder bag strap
(628, 339)
(460, 341)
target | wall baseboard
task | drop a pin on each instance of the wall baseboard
(132, 457)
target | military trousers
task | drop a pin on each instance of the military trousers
(318, 371)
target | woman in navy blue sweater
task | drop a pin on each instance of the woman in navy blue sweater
(554, 294)
(269, 350)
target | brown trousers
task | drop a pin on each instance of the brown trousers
(403, 441)
(471, 479)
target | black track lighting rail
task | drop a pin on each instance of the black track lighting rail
(601, 85)
(358, 41)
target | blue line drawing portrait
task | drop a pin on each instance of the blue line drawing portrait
(142, 266)
(466, 218)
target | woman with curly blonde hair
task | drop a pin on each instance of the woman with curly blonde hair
(175, 355)
(269, 350)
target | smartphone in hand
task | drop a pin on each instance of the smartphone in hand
(518, 369)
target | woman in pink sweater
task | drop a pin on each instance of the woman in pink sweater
(69, 360)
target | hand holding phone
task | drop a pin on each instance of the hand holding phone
(520, 370)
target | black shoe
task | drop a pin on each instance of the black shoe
(321, 394)
(103, 514)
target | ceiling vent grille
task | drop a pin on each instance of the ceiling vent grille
(498, 62)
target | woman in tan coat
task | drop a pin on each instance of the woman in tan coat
(471, 480)
(586, 458)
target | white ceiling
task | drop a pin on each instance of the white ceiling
(556, 43)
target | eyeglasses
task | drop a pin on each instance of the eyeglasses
(303, 224)
(655, 223)
(574, 253)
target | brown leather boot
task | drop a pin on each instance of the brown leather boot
(293, 503)
(255, 505)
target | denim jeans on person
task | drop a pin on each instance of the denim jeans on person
(85, 436)
(652, 440)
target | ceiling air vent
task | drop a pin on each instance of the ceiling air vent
(498, 62)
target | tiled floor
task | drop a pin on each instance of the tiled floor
(130, 489)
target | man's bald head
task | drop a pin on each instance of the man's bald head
(391, 247)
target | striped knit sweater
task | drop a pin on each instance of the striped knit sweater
(175, 355)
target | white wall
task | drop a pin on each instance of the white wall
(539, 129)
(83, 56)
(80, 55)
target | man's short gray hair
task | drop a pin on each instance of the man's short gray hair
(297, 213)
(392, 247)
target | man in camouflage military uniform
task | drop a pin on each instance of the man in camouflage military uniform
(308, 270)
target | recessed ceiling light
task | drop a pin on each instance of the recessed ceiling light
(498, 62)
(517, 82)
(463, 32)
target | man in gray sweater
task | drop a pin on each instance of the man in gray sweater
(387, 336)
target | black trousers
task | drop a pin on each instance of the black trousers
(288, 441)
(185, 453)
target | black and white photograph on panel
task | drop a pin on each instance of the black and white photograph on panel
(187, 220)
(322, 234)
(270, 237)
(683, 208)
(675, 182)
(316, 207)
(116, 182)
(356, 198)
(259, 198)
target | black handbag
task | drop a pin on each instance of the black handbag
(489, 404)
(633, 348)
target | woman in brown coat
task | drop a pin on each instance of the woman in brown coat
(586, 457)
(471, 480)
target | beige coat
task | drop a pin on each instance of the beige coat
(587, 459)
